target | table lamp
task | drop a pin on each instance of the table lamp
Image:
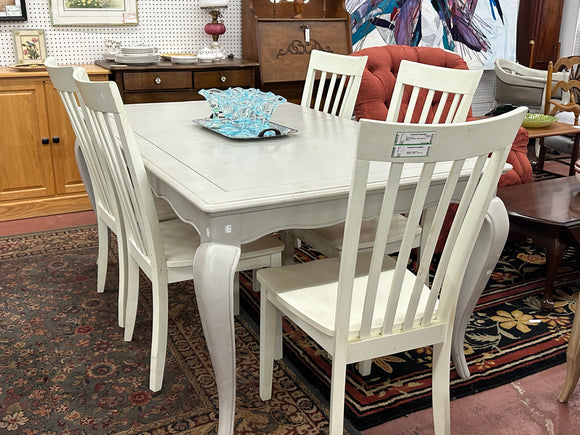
(215, 28)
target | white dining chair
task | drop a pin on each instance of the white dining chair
(163, 250)
(98, 183)
(339, 77)
(456, 88)
(364, 305)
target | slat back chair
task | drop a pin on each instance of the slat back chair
(422, 82)
(366, 305)
(562, 95)
(339, 81)
(163, 250)
(457, 88)
(104, 199)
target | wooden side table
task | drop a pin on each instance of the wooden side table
(548, 212)
(556, 129)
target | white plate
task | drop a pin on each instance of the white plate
(145, 59)
(138, 50)
(109, 56)
(183, 59)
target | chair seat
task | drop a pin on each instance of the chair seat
(309, 291)
(330, 238)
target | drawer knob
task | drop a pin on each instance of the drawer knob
(45, 141)
(158, 80)
(223, 79)
(55, 139)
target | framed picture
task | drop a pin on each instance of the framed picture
(12, 10)
(29, 46)
(93, 12)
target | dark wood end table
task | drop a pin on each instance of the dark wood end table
(548, 212)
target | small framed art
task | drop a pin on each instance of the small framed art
(93, 12)
(29, 46)
(12, 10)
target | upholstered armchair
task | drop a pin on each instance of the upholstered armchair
(379, 79)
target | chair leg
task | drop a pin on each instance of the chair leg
(132, 297)
(364, 367)
(441, 407)
(290, 243)
(159, 335)
(337, 386)
(123, 278)
(103, 255)
(268, 316)
(236, 293)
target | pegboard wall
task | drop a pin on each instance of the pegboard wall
(174, 26)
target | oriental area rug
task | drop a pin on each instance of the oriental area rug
(64, 367)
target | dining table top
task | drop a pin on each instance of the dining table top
(220, 174)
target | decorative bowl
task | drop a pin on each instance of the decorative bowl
(537, 120)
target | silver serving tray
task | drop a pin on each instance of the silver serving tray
(274, 130)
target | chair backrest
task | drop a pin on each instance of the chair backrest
(62, 80)
(563, 95)
(423, 147)
(111, 134)
(340, 77)
(436, 94)
(382, 70)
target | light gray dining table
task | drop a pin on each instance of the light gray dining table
(235, 191)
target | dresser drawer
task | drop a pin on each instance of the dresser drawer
(223, 79)
(151, 81)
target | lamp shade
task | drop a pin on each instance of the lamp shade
(213, 3)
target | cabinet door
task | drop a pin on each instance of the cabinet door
(62, 140)
(25, 162)
(539, 20)
(285, 46)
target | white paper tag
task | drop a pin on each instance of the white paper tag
(307, 35)
(413, 144)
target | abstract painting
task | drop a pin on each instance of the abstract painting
(480, 31)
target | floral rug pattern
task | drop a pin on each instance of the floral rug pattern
(508, 337)
(65, 368)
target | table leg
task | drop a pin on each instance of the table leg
(214, 267)
(574, 155)
(488, 247)
(572, 361)
(541, 153)
(555, 249)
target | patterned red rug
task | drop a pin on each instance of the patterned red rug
(508, 337)
(64, 367)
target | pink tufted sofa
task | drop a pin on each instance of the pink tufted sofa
(377, 85)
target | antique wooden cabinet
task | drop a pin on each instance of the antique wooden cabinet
(282, 42)
(166, 81)
(539, 20)
(38, 171)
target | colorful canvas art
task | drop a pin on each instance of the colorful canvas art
(480, 31)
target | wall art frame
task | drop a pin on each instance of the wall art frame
(14, 10)
(93, 12)
(29, 46)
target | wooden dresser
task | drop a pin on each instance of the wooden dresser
(38, 171)
(282, 43)
(166, 81)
